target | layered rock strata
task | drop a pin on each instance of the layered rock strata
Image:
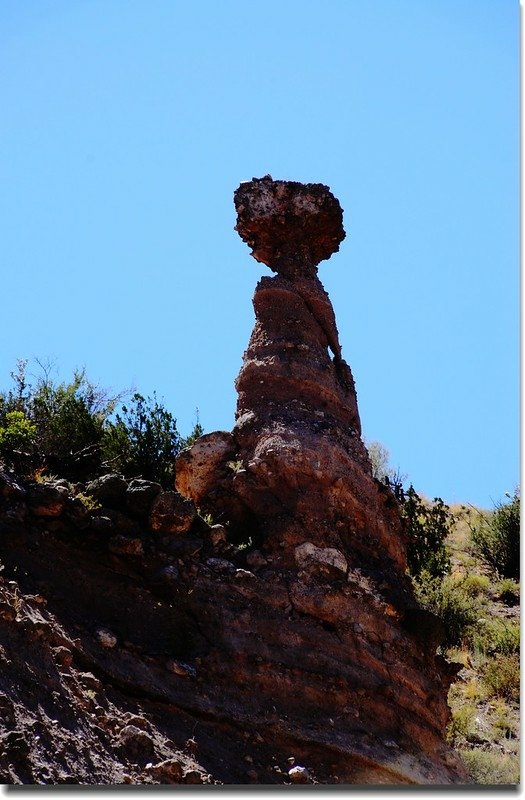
(294, 479)
(278, 641)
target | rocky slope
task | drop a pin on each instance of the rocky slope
(282, 644)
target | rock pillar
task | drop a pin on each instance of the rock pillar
(293, 481)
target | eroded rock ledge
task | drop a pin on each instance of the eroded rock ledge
(280, 644)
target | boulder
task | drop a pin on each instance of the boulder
(112, 521)
(171, 513)
(199, 467)
(181, 669)
(299, 775)
(290, 226)
(168, 771)
(10, 488)
(140, 495)
(308, 555)
(135, 743)
(109, 490)
(106, 638)
(46, 500)
(123, 545)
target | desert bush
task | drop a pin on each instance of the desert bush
(17, 433)
(89, 502)
(491, 636)
(197, 431)
(475, 585)
(73, 430)
(503, 724)
(501, 675)
(496, 538)
(55, 426)
(142, 441)
(69, 418)
(382, 469)
(463, 723)
(508, 591)
(445, 598)
(379, 459)
(491, 767)
(427, 526)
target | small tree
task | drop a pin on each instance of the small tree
(56, 427)
(17, 440)
(382, 469)
(196, 433)
(142, 441)
(447, 599)
(496, 538)
(69, 418)
(427, 525)
(380, 460)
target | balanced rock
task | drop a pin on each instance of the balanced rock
(290, 226)
(333, 608)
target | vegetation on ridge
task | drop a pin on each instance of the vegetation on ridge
(78, 431)
(464, 565)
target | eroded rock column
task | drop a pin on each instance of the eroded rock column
(298, 469)
(334, 632)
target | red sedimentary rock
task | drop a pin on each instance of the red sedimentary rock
(298, 656)
(294, 479)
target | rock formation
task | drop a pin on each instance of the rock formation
(294, 477)
(278, 641)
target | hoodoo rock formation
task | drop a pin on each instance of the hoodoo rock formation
(294, 478)
(256, 626)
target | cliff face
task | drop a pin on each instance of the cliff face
(283, 644)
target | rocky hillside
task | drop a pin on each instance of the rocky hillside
(254, 626)
(484, 608)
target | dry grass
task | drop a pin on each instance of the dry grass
(485, 699)
(491, 767)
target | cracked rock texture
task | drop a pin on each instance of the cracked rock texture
(279, 644)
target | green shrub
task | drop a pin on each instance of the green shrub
(196, 433)
(71, 430)
(475, 585)
(491, 767)
(17, 433)
(58, 425)
(89, 502)
(445, 598)
(508, 591)
(462, 724)
(506, 637)
(142, 441)
(70, 420)
(501, 675)
(503, 724)
(379, 459)
(427, 526)
(496, 538)
(495, 636)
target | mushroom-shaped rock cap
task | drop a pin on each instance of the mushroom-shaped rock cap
(290, 226)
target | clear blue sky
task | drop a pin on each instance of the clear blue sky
(126, 125)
